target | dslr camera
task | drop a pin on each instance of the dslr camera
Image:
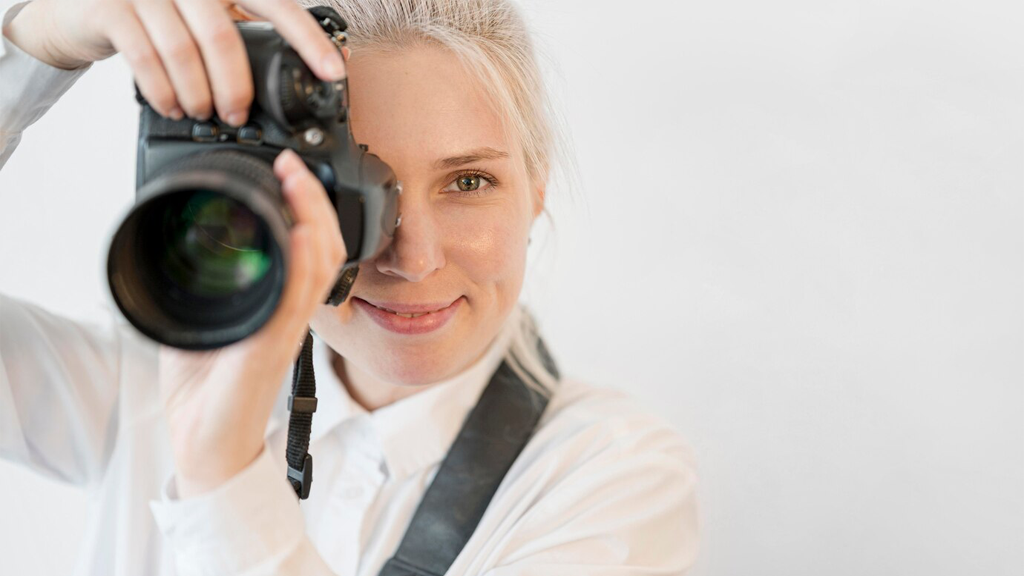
(200, 259)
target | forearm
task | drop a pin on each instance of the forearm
(28, 87)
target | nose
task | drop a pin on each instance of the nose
(416, 249)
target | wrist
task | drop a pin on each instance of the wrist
(28, 31)
(206, 472)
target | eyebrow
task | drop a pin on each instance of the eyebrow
(486, 153)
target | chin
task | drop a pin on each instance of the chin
(415, 369)
(425, 359)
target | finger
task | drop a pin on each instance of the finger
(287, 166)
(299, 27)
(331, 248)
(129, 38)
(179, 54)
(300, 196)
(313, 204)
(293, 311)
(336, 252)
(227, 64)
(310, 204)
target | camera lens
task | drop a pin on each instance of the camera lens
(199, 261)
(212, 245)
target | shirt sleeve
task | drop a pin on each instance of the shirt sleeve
(59, 383)
(58, 377)
(249, 526)
(630, 510)
(28, 88)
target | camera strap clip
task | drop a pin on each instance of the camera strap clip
(302, 479)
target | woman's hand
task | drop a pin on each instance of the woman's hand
(187, 55)
(218, 402)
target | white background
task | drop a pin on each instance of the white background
(797, 234)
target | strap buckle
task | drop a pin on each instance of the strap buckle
(302, 404)
(302, 479)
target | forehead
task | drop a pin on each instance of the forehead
(419, 104)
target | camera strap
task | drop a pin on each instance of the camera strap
(302, 402)
(301, 405)
(490, 440)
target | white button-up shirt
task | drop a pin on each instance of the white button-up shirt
(604, 487)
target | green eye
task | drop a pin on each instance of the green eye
(468, 182)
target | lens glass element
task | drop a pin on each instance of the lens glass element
(214, 246)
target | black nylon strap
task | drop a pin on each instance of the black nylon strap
(301, 405)
(302, 402)
(490, 440)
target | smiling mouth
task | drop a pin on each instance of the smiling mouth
(404, 315)
(409, 314)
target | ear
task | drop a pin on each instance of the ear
(539, 191)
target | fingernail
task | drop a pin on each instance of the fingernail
(236, 118)
(176, 113)
(334, 65)
(287, 157)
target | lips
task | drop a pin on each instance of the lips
(415, 315)
(400, 308)
(409, 318)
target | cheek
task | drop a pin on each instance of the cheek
(488, 242)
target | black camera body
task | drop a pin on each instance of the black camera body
(321, 136)
(200, 260)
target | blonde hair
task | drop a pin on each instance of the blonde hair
(489, 37)
(523, 356)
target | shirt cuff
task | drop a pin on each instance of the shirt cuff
(249, 519)
(29, 86)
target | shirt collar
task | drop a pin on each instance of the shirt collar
(413, 432)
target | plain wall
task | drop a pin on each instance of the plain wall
(797, 234)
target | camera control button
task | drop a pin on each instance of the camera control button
(204, 132)
(250, 134)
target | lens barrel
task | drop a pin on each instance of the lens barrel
(200, 260)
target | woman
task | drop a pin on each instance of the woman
(184, 451)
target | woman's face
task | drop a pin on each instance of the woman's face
(467, 207)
